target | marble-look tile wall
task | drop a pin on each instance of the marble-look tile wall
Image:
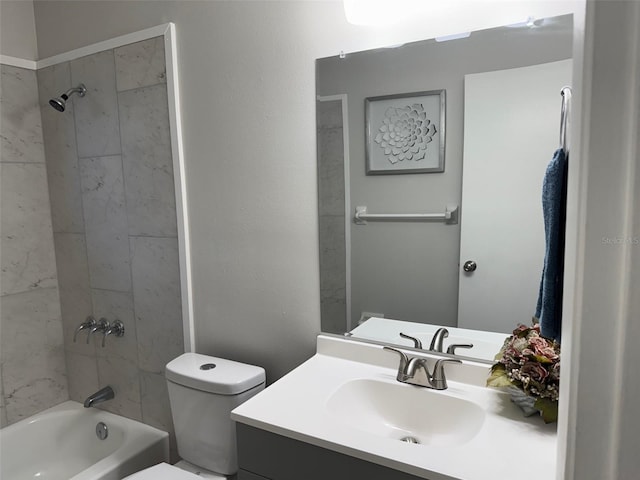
(114, 221)
(331, 195)
(32, 363)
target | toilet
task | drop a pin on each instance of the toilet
(202, 392)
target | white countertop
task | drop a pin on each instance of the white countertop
(485, 344)
(507, 446)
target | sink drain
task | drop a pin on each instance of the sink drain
(409, 440)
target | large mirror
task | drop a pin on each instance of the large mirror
(474, 265)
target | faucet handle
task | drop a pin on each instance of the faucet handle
(116, 328)
(416, 342)
(404, 361)
(90, 322)
(438, 379)
(452, 348)
(101, 326)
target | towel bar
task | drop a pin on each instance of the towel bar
(450, 216)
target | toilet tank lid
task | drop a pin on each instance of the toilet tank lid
(212, 374)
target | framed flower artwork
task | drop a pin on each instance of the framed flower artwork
(405, 133)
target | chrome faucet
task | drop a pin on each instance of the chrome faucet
(416, 341)
(100, 396)
(415, 371)
(451, 350)
(116, 328)
(438, 340)
(101, 326)
(90, 322)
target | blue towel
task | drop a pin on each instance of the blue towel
(554, 209)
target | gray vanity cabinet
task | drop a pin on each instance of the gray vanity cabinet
(244, 475)
(266, 456)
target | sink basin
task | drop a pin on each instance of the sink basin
(346, 399)
(405, 412)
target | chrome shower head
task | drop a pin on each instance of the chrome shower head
(60, 103)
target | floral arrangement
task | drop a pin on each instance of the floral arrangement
(531, 363)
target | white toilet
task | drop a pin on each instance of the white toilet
(202, 391)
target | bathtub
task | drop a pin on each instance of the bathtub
(61, 444)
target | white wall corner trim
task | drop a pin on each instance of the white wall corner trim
(18, 62)
(599, 400)
(624, 450)
(179, 177)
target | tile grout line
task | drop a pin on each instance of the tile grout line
(4, 162)
(22, 292)
(126, 207)
(94, 353)
(100, 156)
(153, 236)
(58, 121)
(41, 104)
(112, 290)
(140, 88)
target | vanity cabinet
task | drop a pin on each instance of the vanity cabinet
(245, 475)
(264, 455)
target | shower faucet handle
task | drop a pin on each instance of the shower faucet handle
(89, 323)
(116, 328)
(101, 326)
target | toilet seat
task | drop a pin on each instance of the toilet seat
(180, 471)
(200, 472)
(163, 471)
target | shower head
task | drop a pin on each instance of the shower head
(59, 103)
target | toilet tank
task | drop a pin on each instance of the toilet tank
(202, 391)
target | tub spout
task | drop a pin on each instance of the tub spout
(100, 396)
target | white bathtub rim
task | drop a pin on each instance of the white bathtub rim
(71, 405)
(131, 445)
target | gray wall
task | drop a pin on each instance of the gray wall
(247, 78)
(409, 271)
(32, 364)
(110, 174)
(18, 29)
(247, 90)
(227, 54)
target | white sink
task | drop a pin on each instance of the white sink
(405, 412)
(346, 398)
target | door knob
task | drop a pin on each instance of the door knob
(469, 266)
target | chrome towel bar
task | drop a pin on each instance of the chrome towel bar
(450, 216)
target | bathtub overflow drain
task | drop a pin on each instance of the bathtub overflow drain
(409, 440)
(102, 431)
